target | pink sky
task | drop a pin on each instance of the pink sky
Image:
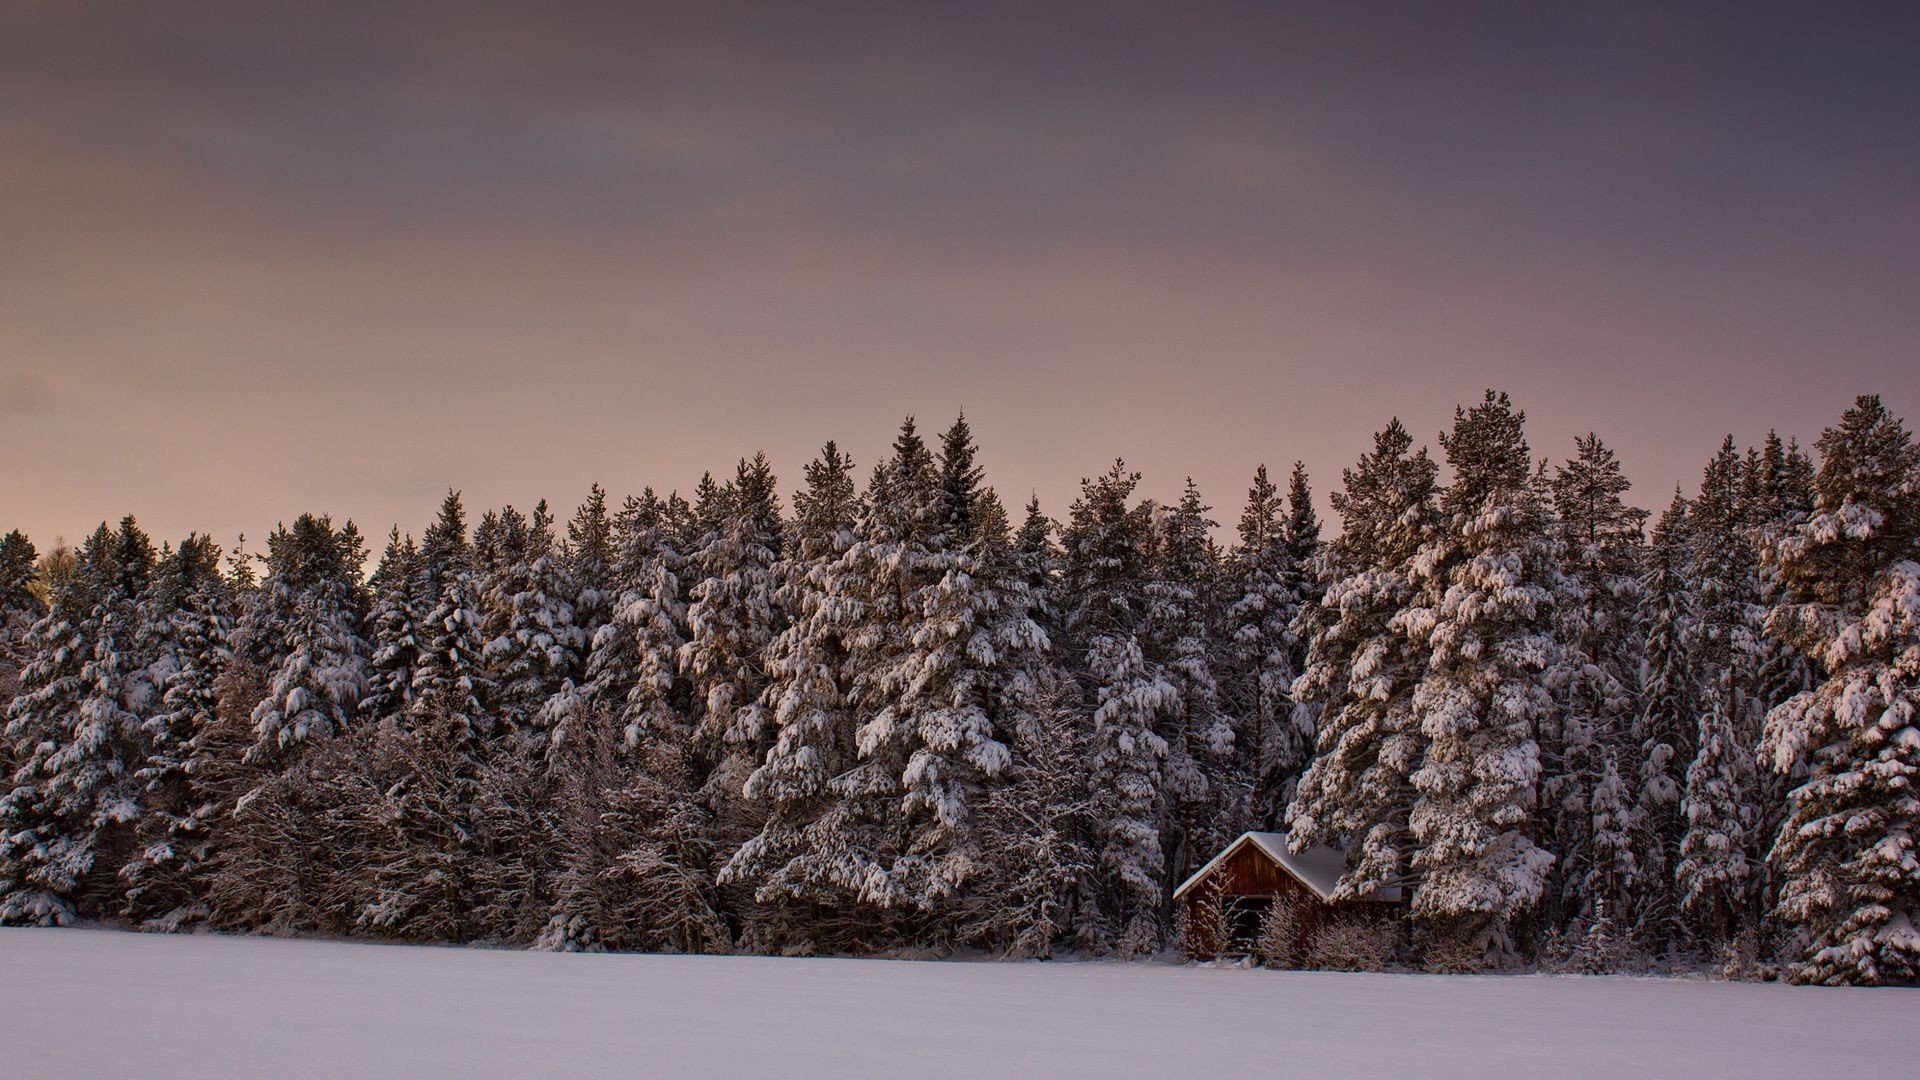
(256, 264)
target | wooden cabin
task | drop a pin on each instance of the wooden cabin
(1250, 873)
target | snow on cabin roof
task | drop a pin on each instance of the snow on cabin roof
(1318, 868)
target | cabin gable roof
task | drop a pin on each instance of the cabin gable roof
(1318, 868)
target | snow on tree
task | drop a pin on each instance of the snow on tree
(1593, 682)
(731, 618)
(1664, 728)
(185, 611)
(67, 825)
(1714, 874)
(1481, 614)
(1267, 575)
(397, 616)
(1180, 629)
(589, 558)
(793, 856)
(305, 630)
(1034, 827)
(532, 644)
(1361, 671)
(1131, 701)
(1850, 873)
(450, 681)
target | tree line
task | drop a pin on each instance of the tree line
(897, 718)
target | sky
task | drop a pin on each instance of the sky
(256, 260)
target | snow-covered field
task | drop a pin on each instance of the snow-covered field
(77, 1003)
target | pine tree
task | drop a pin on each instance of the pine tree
(792, 859)
(731, 618)
(1181, 620)
(1481, 615)
(1593, 682)
(305, 630)
(1361, 673)
(1276, 731)
(398, 613)
(450, 683)
(1131, 701)
(66, 829)
(1664, 728)
(1846, 852)
(1714, 874)
(185, 611)
(532, 643)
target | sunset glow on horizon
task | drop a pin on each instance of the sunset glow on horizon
(259, 263)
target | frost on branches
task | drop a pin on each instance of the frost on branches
(1847, 847)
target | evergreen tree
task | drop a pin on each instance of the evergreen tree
(1481, 615)
(533, 645)
(1714, 875)
(1132, 702)
(1361, 672)
(732, 616)
(1593, 682)
(305, 631)
(185, 611)
(398, 613)
(794, 860)
(67, 827)
(1276, 731)
(1664, 728)
(450, 684)
(1181, 620)
(1846, 853)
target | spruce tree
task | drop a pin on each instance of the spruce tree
(794, 858)
(1361, 672)
(1131, 703)
(1846, 857)
(305, 631)
(1665, 728)
(1594, 682)
(1481, 616)
(186, 611)
(1204, 798)
(1275, 731)
(67, 827)
(1714, 875)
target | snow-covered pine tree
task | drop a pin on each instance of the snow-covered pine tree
(67, 827)
(450, 681)
(1360, 672)
(589, 557)
(1205, 801)
(1481, 615)
(731, 617)
(1131, 701)
(794, 858)
(1276, 732)
(532, 645)
(1846, 855)
(1035, 826)
(20, 608)
(1593, 680)
(1714, 875)
(305, 630)
(972, 634)
(1665, 727)
(397, 619)
(1726, 652)
(185, 611)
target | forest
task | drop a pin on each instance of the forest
(900, 718)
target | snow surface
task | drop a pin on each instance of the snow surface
(100, 1003)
